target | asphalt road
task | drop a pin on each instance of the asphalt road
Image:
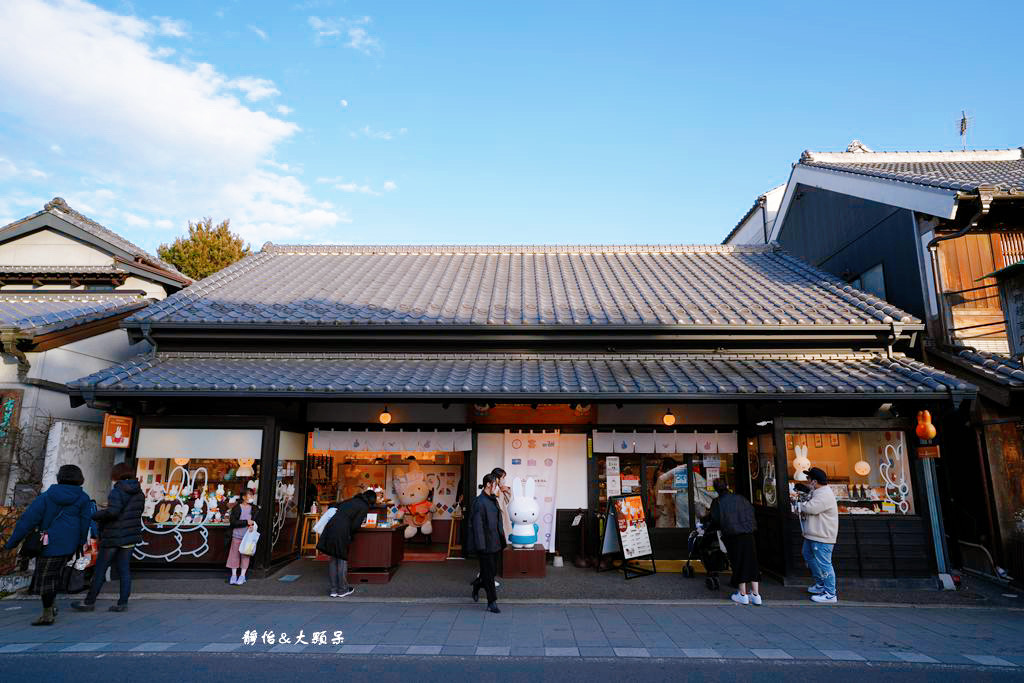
(377, 668)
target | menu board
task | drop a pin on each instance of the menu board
(626, 532)
(611, 471)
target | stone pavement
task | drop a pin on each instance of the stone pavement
(933, 635)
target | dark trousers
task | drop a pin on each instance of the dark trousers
(488, 567)
(120, 558)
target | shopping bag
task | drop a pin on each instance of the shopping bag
(72, 575)
(249, 542)
(321, 523)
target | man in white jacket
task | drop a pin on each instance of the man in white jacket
(819, 521)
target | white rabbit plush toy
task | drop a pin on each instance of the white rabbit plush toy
(800, 463)
(523, 511)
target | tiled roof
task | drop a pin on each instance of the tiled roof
(43, 312)
(674, 376)
(43, 269)
(59, 208)
(991, 366)
(522, 286)
(1003, 170)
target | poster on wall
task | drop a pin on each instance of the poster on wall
(626, 532)
(535, 454)
(117, 431)
(611, 472)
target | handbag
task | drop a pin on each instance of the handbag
(72, 575)
(321, 523)
(249, 541)
(33, 544)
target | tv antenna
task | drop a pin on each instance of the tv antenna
(965, 122)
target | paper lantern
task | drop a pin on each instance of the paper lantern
(385, 416)
(862, 467)
(668, 419)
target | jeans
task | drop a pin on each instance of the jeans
(818, 557)
(488, 567)
(121, 558)
(336, 572)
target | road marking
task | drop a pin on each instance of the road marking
(561, 652)
(843, 655)
(17, 647)
(771, 653)
(12, 608)
(989, 660)
(220, 647)
(424, 650)
(84, 647)
(916, 657)
(631, 652)
(152, 647)
(705, 652)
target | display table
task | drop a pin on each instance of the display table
(375, 554)
(524, 563)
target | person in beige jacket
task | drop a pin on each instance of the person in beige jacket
(819, 522)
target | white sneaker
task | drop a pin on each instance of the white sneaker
(497, 584)
(241, 580)
(334, 594)
(815, 589)
(824, 597)
(233, 581)
(740, 599)
(347, 591)
(755, 599)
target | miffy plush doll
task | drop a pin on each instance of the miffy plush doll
(523, 511)
(800, 463)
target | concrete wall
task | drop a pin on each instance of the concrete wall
(78, 443)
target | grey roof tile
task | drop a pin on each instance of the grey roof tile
(49, 311)
(992, 366)
(521, 286)
(510, 375)
(963, 171)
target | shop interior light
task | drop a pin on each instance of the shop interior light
(181, 461)
(668, 418)
(862, 467)
(385, 416)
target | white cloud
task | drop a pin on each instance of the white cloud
(163, 52)
(390, 186)
(373, 134)
(11, 171)
(56, 149)
(259, 32)
(343, 103)
(283, 110)
(339, 183)
(161, 141)
(174, 28)
(342, 28)
(255, 89)
(7, 168)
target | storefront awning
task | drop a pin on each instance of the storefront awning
(522, 376)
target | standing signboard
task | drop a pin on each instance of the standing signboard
(626, 532)
(117, 431)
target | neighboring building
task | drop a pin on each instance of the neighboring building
(645, 370)
(759, 220)
(65, 284)
(926, 231)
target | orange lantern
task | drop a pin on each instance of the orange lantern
(925, 429)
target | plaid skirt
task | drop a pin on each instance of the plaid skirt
(47, 576)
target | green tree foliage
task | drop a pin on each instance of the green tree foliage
(206, 250)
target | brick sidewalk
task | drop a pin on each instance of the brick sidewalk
(969, 636)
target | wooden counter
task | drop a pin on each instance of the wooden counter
(375, 554)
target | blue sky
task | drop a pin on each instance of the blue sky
(531, 122)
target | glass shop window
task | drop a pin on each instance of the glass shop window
(761, 464)
(869, 471)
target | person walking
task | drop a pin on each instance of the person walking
(120, 531)
(488, 540)
(819, 522)
(503, 496)
(334, 542)
(242, 518)
(733, 515)
(62, 515)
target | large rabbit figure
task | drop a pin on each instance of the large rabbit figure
(523, 511)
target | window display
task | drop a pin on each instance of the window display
(868, 470)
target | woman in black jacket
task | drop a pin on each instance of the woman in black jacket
(120, 531)
(334, 542)
(733, 515)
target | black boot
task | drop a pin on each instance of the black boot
(83, 606)
(476, 592)
(493, 607)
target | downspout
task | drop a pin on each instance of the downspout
(985, 198)
(762, 201)
(147, 335)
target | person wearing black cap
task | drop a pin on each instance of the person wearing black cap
(819, 522)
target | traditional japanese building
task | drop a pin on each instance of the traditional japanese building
(310, 371)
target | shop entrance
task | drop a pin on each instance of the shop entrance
(675, 489)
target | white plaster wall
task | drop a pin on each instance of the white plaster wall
(48, 247)
(152, 289)
(78, 443)
(84, 357)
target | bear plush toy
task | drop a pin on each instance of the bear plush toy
(415, 493)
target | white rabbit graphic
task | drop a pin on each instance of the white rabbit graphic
(523, 511)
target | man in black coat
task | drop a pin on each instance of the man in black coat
(334, 542)
(487, 538)
(120, 531)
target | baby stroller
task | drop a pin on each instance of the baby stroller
(708, 548)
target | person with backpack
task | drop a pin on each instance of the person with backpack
(336, 538)
(54, 527)
(120, 531)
